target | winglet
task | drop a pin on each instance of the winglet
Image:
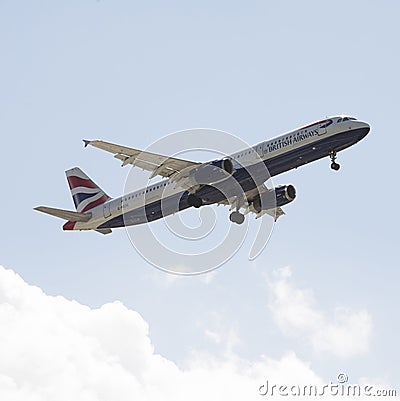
(86, 142)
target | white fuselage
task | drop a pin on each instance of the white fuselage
(285, 144)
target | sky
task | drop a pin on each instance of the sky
(85, 312)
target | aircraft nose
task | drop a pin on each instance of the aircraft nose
(365, 125)
(364, 128)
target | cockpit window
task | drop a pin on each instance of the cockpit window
(352, 118)
(339, 120)
(346, 119)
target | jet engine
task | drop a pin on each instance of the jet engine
(275, 197)
(213, 172)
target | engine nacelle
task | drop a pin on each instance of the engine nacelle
(224, 164)
(276, 197)
(213, 172)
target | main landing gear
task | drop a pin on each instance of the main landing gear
(334, 166)
(236, 217)
(194, 201)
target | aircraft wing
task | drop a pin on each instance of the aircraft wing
(158, 164)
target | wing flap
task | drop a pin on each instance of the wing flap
(104, 231)
(274, 213)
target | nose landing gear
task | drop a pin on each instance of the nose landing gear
(334, 166)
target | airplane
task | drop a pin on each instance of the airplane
(191, 184)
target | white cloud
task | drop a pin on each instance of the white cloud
(53, 349)
(345, 333)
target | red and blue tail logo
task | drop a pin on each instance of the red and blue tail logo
(85, 193)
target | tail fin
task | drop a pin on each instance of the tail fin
(85, 193)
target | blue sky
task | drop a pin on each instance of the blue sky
(131, 73)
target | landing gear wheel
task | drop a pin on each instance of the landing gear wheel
(334, 166)
(236, 217)
(194, 201)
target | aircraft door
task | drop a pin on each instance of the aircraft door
(322, 129)
(106, 210)
(265, 149)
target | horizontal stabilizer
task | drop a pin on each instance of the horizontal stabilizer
(64, 214)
